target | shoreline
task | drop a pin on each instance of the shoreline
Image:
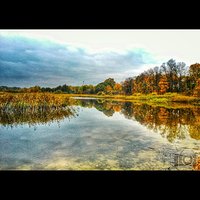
(167, 100)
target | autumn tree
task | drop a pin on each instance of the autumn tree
(163, 85)
(194, 73)
(142, 82)
(110, 81)
(108, 89)
(188, 85)
(117, 88)
(34, 89)
(156, 78)
(147, 82)
(181, 72)
(150, 81)
(197, 88)
(127, 86)
(101, 87)
(169, 69)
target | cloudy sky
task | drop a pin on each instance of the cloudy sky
(57, 57)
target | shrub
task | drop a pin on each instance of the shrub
(101, 93)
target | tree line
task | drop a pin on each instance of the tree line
(109, 86)
(171, 76)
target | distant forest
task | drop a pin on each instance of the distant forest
(171, 76)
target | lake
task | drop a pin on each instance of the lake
(100, 134)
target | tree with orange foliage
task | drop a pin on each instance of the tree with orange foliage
(197, 88)
(163, 85)
(117, 108)
(117, 88)
(108, 89)
(195, 71)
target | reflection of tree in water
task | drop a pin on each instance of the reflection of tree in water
(127, 110)
(194, 129)
(99, 104)
(172, 123)
(33, 116)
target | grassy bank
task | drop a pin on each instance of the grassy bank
(42, 100)
(166, 98)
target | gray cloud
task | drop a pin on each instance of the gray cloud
(25, 62)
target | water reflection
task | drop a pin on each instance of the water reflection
(32, 117)
(102, 134)
(172, 123)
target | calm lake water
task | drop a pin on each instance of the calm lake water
(98, 134)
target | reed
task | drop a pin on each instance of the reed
(33, 108)
(32, 101)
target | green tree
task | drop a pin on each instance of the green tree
(101, 87)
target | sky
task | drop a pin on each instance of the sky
(55, 57)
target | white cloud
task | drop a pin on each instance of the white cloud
(181, 45)
(91, 55)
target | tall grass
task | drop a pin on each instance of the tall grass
(42, 101)
(33, 108)
(36, 101)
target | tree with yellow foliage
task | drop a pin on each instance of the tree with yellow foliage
(197, 88)
(163, 85)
